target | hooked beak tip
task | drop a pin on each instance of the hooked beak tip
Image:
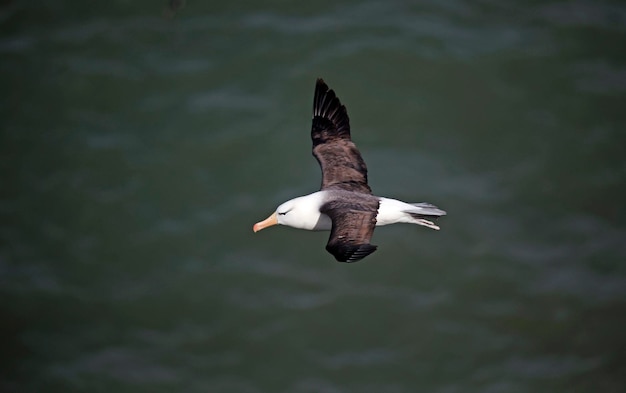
(268, 222)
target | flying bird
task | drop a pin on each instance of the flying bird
(345, 204)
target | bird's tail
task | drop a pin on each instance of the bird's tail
(424, 214)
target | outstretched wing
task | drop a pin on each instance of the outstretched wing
(340, 160)
(352, 229)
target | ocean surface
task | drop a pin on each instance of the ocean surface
(140, 141)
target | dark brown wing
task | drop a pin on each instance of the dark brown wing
(353, 226)
(341, 162)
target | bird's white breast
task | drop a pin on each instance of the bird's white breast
(304, 213)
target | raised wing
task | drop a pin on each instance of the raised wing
(340, 160)
(353, 226)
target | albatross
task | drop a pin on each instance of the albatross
(345, 204)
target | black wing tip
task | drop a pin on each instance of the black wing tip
(328, 112)
(321, 89)
(351, 253)
(325, 100)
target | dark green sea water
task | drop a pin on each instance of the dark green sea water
(138, 145)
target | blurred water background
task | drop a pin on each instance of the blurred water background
(141, 140)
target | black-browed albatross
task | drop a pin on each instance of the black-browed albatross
(345, 204)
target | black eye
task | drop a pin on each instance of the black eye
(282, 214)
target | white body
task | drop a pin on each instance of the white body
(303, 212)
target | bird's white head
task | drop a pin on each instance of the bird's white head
(302, 212)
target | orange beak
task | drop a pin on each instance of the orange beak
(268, 222)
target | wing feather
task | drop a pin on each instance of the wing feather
(340, 160)
(353, 224)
